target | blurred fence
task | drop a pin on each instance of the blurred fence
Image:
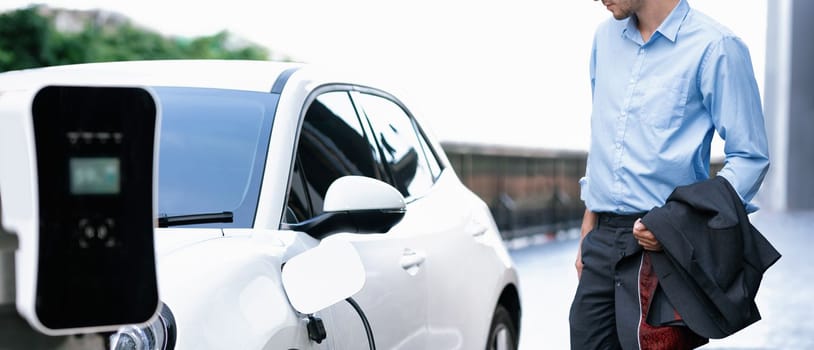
(529, 191)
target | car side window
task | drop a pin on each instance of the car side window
(401, 148)
(333, 144)
(432, 159)
(298, 207)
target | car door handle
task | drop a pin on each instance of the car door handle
(411, 261)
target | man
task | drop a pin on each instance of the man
(664, 78)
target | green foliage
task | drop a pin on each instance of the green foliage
(24, 40)
(29, 39)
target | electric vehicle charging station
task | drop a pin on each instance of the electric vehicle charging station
(77, 170)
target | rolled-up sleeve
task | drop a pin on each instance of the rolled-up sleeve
(730, 94)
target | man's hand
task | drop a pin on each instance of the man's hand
(578, 264)
(589, 219)
(646, 238)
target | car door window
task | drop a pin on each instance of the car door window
(333, 144)
(298, 207)
(432, 160)
(400, 147)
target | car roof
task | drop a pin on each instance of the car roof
(225, 74)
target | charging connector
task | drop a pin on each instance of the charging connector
(316, 329)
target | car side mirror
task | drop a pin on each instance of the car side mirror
(333, 263)
(355, 204)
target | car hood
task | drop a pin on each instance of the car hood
(284, 244)
(168, 240)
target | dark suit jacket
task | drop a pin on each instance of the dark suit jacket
(713, 258)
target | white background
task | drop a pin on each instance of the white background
(506, 72)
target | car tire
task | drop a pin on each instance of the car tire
(502, 331)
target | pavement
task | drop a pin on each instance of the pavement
(785, 299)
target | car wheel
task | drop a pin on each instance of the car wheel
(502, 332)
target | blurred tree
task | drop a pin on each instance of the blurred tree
(24, 40)
(29, 39)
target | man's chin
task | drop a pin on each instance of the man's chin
(620, 15)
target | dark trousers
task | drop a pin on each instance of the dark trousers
(605, 312)
(615, 291)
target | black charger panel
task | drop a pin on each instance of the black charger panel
(94, 149)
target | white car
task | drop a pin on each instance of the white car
(304, 208)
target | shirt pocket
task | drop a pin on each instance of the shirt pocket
(664, 102)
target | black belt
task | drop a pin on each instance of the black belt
(618, 220)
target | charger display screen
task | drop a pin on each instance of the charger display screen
(89, 176)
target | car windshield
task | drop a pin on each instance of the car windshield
(212, 152)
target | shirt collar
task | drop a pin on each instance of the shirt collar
(668, 29)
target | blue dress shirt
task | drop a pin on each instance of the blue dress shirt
(656, 105)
